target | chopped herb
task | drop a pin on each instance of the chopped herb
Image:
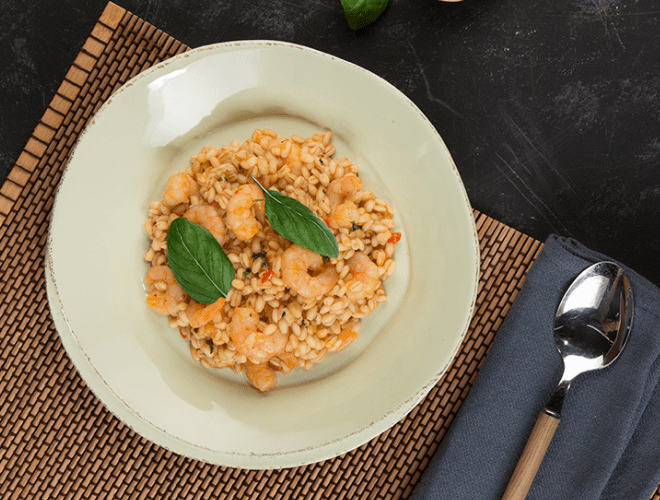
(321, 162)
(211, 348)
(261, 254)
(284, 314)
(304, 322)
(354, 226)
(326, 259)
(246, 273)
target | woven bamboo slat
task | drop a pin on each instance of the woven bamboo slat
(57, 440)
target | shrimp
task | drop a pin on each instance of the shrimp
(179, 188)
(365, 277)
(347, 335)
(261, 376)
(240, 218)
(343, 210)
(165, 301)
(201, 314)
(296, 264)
(257, 346)
(208, 217)
(288, 361)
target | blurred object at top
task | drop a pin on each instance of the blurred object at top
(361, 13)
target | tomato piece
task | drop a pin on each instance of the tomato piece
(395, 238)
(266, 276)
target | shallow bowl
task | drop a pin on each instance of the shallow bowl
(142, 370)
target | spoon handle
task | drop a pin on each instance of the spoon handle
(531, 457)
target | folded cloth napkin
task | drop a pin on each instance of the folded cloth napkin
(607, 445)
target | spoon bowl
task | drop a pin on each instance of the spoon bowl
(592, 324)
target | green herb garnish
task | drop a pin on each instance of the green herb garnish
(354, 226)
(198, 262)
(298, 224)
(261, 255)
(361, 13)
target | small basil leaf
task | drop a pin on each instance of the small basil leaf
(198, 262)
(299, 224)
(361, 13)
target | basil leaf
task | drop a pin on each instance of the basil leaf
(198, 262)
(299, 224)
(360, 13)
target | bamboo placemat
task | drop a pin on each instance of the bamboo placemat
(58, 441)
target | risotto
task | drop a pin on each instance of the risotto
(287, 307)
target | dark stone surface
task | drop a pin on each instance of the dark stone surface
(551, 110)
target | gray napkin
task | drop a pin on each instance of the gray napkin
(607, 445)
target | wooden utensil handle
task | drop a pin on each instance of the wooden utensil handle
(531, 457)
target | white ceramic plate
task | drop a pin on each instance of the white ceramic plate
(142, 370)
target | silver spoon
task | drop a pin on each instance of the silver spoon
(592, 324)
